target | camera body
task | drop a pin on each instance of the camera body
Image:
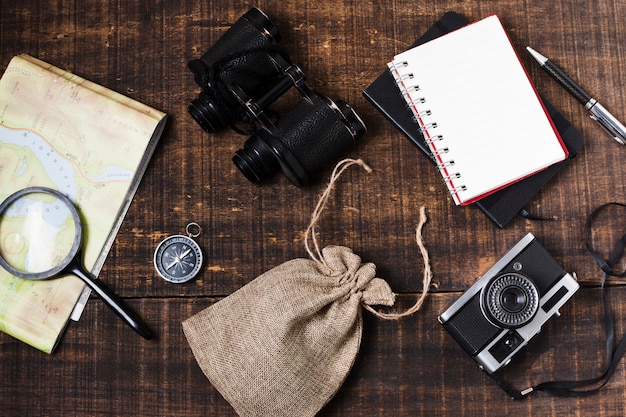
(507, 306)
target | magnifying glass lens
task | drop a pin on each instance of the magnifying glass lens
(40, 237)
(37, 233)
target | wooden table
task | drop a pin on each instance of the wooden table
(405, 368)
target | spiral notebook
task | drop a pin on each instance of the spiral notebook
(478, 110)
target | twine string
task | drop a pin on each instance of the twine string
(313, 248)
(311, 234)
(427, 279)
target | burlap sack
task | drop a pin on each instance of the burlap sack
(282, 345)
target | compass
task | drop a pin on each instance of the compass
(178, 258)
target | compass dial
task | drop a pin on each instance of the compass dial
(178, 259)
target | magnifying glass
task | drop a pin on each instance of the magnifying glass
(41, 237)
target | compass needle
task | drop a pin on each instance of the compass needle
(176, 261)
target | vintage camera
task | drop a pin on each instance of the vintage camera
(246, 71)
(507, 306)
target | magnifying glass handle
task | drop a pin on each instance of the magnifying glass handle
(114, 302)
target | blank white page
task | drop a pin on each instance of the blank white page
(478, 110)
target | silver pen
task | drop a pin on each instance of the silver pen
(596, 111)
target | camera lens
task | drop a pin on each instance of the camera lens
(510, 300)
(513, 299)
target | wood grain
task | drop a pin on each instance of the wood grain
(405, 368)
(409, 367)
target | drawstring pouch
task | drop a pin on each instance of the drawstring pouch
(283, 344)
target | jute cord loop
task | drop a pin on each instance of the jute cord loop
(313, 248)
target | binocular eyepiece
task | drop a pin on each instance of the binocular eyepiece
(241, 75)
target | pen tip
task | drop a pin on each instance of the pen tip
(540, 58)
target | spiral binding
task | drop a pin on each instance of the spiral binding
(407, 93)
(447, 164)
(407, 85)
(458, 189)
(442, 151)
(451, 177)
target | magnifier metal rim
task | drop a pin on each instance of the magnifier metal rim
(77, 234)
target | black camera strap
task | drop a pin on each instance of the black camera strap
(618, 250)
(614, 353)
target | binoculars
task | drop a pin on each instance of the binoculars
(241, 75)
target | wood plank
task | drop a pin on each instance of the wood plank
(405, 368)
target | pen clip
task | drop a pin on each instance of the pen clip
(608, 122)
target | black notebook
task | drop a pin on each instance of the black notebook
(504, 204)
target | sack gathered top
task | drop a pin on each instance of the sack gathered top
(283, 344)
